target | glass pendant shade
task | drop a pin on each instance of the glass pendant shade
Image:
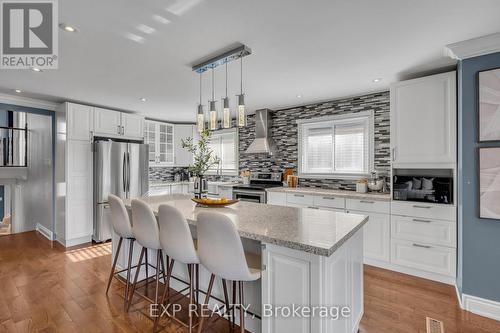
(200, 119)
(226, 113)
(242, 119)
(213, 116)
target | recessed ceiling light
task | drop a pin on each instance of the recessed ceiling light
(143, 99)
(377, 80)
(299, 96)
(36, 69)
(18, 91)
(67, 28)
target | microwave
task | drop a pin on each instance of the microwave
(423, 189)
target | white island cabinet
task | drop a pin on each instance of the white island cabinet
(311, 260)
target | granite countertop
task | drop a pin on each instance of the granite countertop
(337, 193)
(163, 184)
(319, 232)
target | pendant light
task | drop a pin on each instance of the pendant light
(213, 110)
(226, 114)
(200, 117)
(242, 119)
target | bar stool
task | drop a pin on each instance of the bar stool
(177, 242)
(122, 227)
(221, 252)
(146, 232)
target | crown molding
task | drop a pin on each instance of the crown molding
(28, 102)
(474, 47)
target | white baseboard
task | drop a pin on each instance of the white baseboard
(459, 297)
(74, 241)
(481, 306)
(45, 231)
(411, 271)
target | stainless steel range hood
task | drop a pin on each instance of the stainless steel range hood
(263, 143)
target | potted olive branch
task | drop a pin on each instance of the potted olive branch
(204, 158)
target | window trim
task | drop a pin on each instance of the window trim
(369, 115)
(236, 152)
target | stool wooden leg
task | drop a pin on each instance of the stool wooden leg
(197, 268)
(127, 286)
(242, 311)
(166, 293)
(135, 279)
(191, 296)
(207, 299)
(163, 268)
(147, 269)
(233, 310)
(226, 300)
(114, 264)
(157, 286)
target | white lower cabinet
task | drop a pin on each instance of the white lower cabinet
(377, 236)
(302, 279)
(299, 200)
(276, 198)
(424, 230)
(430, 258)
(225, 192)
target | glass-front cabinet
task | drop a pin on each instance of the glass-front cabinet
(160, 138)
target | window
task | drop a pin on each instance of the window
(225, 146)
(336, 146)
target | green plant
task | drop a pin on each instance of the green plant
(204, 157)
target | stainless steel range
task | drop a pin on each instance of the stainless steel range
(256, 190)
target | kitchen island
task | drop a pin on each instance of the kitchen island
(311, 259)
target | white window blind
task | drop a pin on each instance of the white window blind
(336, 145)
(225, 146)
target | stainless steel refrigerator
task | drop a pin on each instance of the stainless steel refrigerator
(120, 168)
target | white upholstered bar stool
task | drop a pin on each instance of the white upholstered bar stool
(122, 227)
(221, 252)
(177, 243)
(146, 232)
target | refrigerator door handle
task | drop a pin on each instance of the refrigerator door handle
(128, 174)
(124, 172)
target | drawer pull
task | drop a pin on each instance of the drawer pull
(328, 198)
(298, 195)
(420, 220)
(366, 201)
(312, 207)
(423, 246)
(424, 207)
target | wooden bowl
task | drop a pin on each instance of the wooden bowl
(214, 202)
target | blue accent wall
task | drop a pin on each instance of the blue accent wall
(478, 239)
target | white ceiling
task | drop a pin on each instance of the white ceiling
(319, 49)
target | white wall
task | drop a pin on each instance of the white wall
(33, 197)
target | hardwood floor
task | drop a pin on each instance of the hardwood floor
(46, 288)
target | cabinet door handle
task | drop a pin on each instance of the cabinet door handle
(393, 154)
(312, 207)
(118, 129)
(422, 246)
(123, 130)
(328, 198)
(298, 195)
(423, 207)
(366, 201)
(420, 220)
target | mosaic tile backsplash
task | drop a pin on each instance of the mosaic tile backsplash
(284, 132)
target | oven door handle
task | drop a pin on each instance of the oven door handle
(250, 192)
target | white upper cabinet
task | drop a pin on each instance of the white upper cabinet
(423, 122)
(160, 138)
(107, 122)
(118, 124)
(79, 121)
(132, 125)
(182, 157)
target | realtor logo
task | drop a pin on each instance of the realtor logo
(28, 34)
